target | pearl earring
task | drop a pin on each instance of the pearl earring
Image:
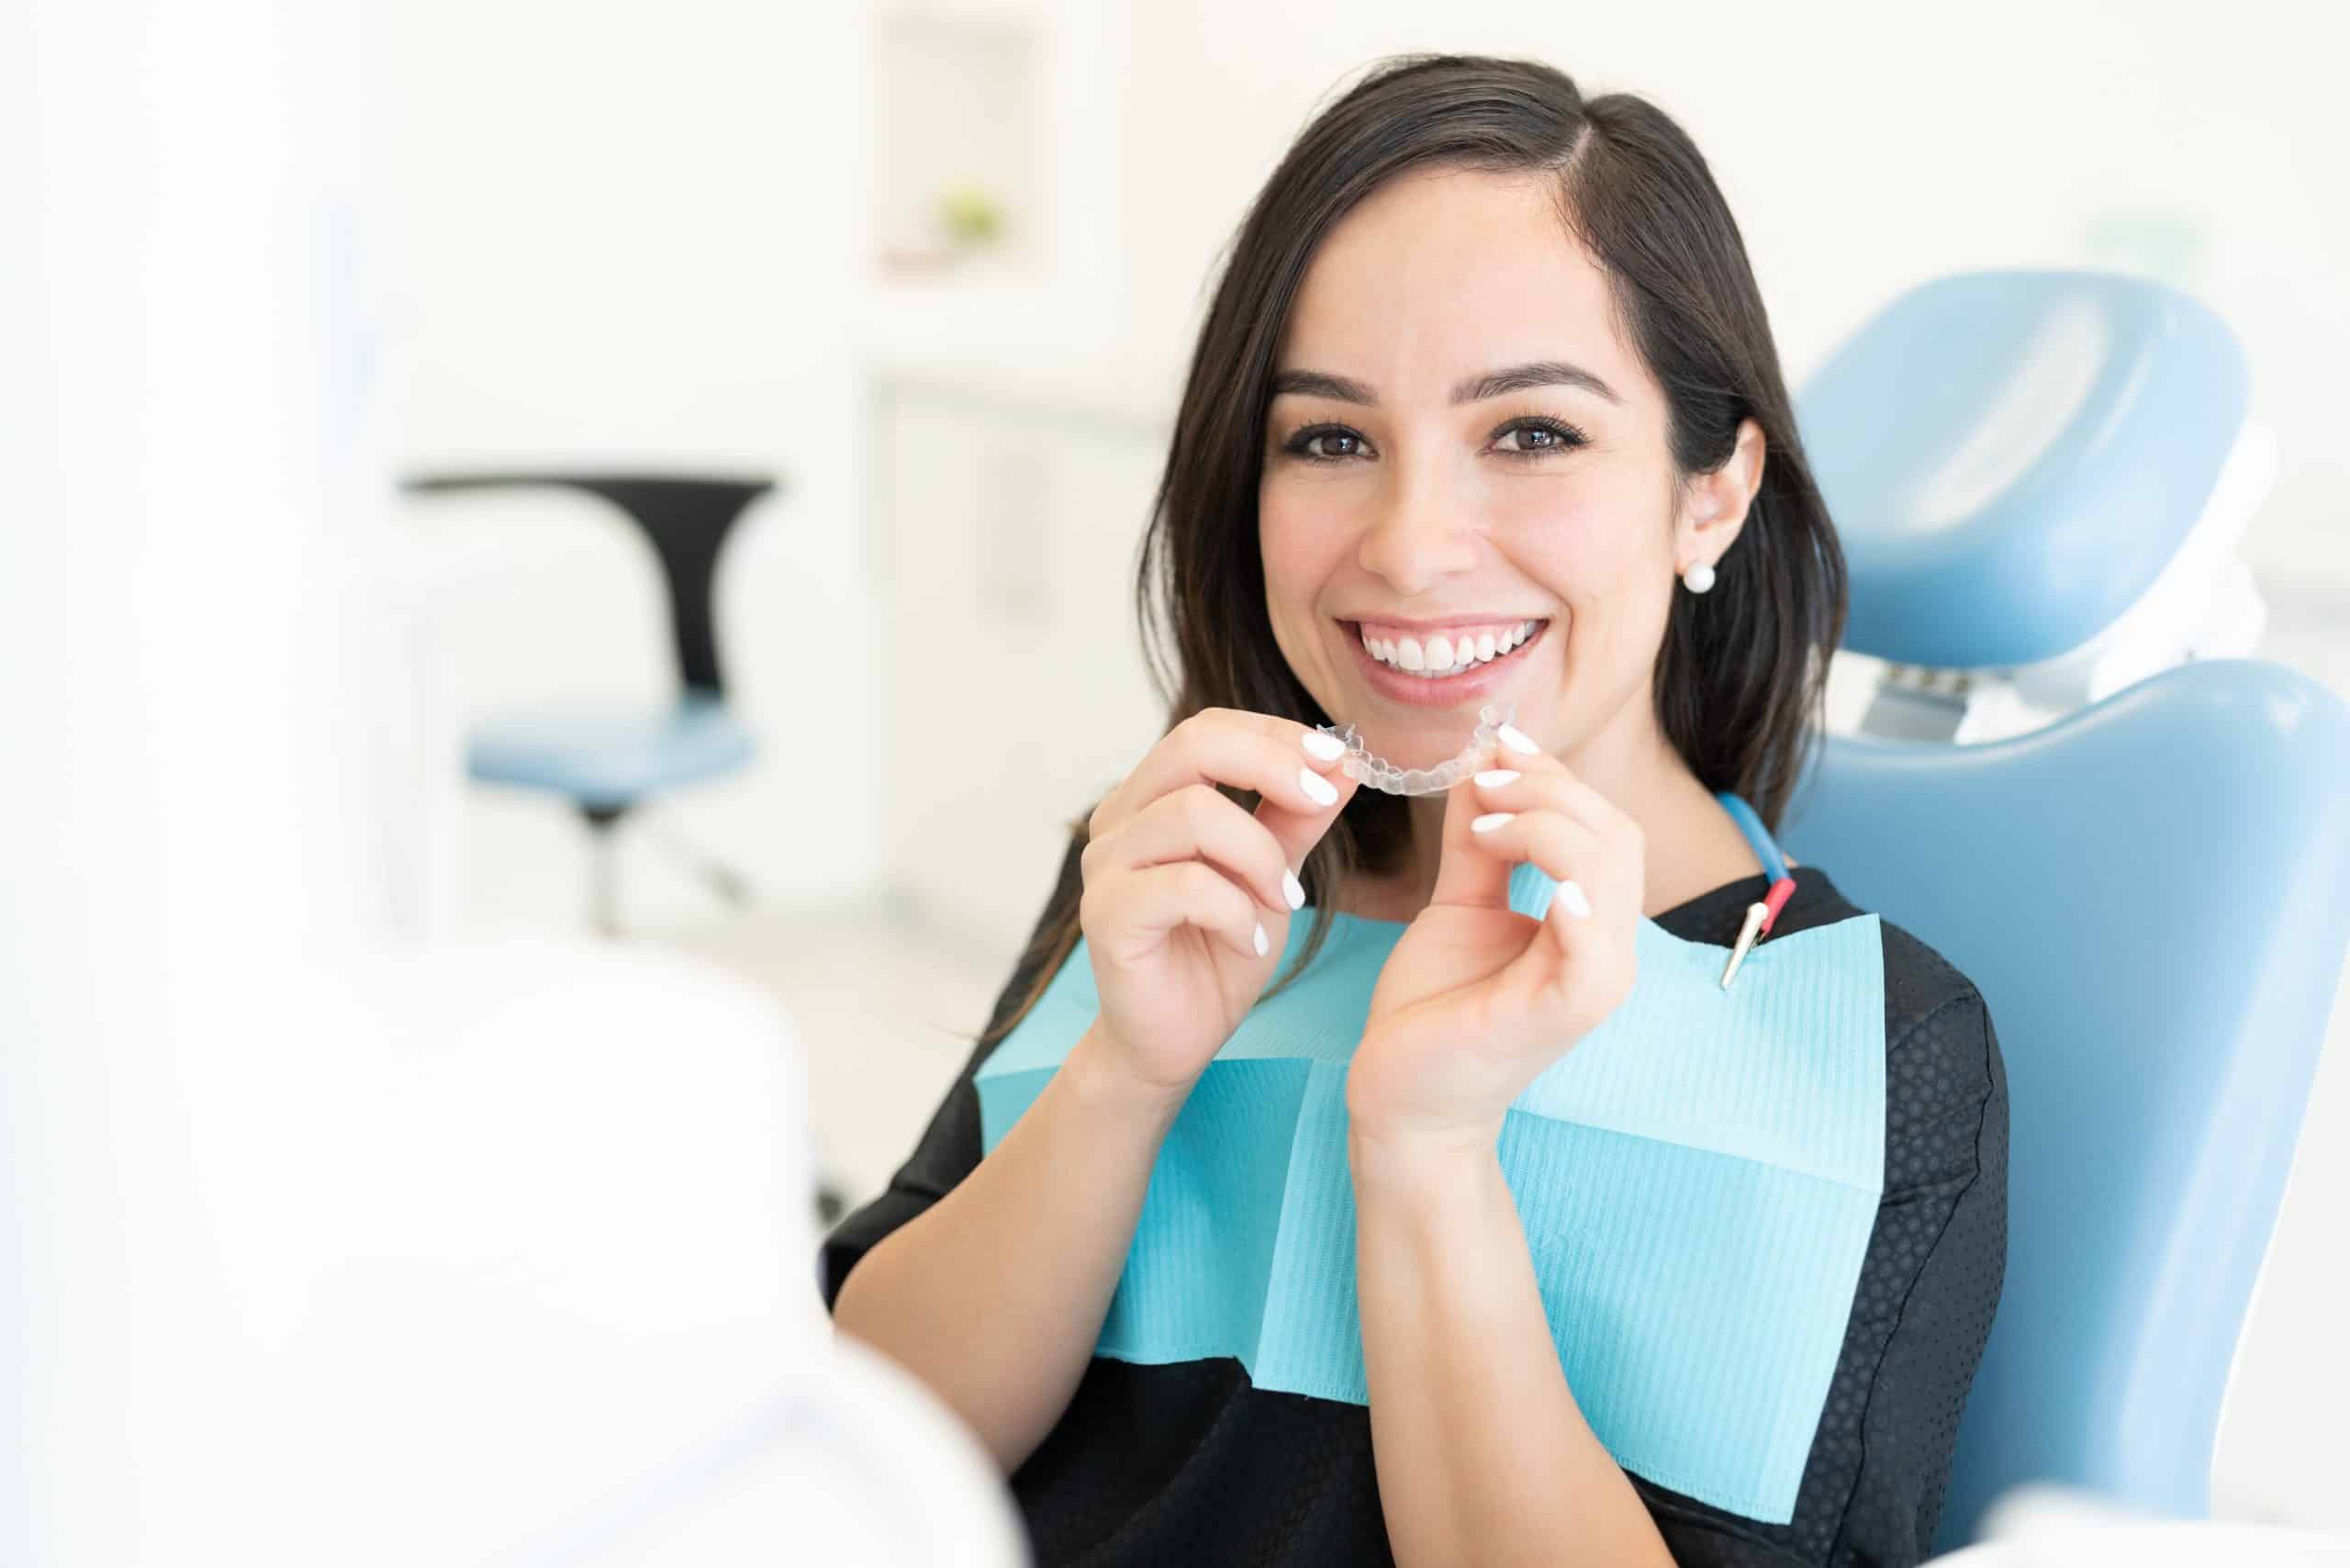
(1699, 576)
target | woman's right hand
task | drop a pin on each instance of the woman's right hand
(1180, 883)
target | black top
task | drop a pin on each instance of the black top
(1190, 1463)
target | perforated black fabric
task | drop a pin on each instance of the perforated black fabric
(1193, 1465)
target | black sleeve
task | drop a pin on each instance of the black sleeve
(1872, 1492)
(949, 1150)
(1951, 1186)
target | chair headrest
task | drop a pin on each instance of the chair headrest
(2012, 457)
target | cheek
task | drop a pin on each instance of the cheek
(1289, 549)
(1592, 545)
(1608, 560)
(1566, 543)
(1300, 548)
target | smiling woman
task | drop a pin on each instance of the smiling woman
(1429, 478)
(1485, 412)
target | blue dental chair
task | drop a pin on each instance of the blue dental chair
(2151, 889)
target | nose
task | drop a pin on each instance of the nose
(1418, 534)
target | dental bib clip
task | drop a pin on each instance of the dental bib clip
(1360, 764)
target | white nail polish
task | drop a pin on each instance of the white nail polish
(1495, 777)
(1329, 749)
(1318, 790)
(1514, 738)
(1572, 897)
(1262, 944)
(1292, 889)
(1490, 821)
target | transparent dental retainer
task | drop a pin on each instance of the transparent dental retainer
(1380, 774)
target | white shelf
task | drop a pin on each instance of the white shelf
(1017, 98)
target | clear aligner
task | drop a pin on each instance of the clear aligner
(1380, 774)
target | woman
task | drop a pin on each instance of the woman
(1487, 387)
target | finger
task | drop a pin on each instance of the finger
(1544, 782)
(1199, 821)
(1519, 753)
(1471, 870)
(1520, 777)
(1248, 751)
(1297, 832)
(1147, 904)
(1559, 846)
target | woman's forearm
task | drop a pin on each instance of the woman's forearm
(994, 1296)
(1481, 1453)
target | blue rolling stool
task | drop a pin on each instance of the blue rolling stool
(2152, 891)
(606, 764)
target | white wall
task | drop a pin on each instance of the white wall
(630, 235)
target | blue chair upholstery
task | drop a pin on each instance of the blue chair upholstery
(2153, 894)
(610, 759)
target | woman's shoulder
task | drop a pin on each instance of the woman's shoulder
(1920, 982)
(1945, 1086)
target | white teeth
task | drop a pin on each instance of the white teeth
(1440, 656)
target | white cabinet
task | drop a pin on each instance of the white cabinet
(1007, 532)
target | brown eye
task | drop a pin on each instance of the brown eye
(1303, 443)
(1539, 437)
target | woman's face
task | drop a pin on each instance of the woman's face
(1419, 483)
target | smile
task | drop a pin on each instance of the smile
(1441, 654)
(1441, 669)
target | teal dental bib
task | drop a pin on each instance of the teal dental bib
(1697, 1179)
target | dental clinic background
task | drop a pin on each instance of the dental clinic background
(396, 1166)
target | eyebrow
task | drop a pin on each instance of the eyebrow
(1476, 389)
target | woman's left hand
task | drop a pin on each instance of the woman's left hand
(1476, 999)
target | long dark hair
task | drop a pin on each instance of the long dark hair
(1742, 673)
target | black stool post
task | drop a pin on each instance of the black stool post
(603, 870)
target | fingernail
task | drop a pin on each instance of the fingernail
(1292, 889)
(1516, 740)
(1261, 943)
(1329, 749)
(1490, 821)
(1495, 777)
(1571, 896)
(1318, 790)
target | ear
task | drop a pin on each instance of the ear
(1714, 504)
